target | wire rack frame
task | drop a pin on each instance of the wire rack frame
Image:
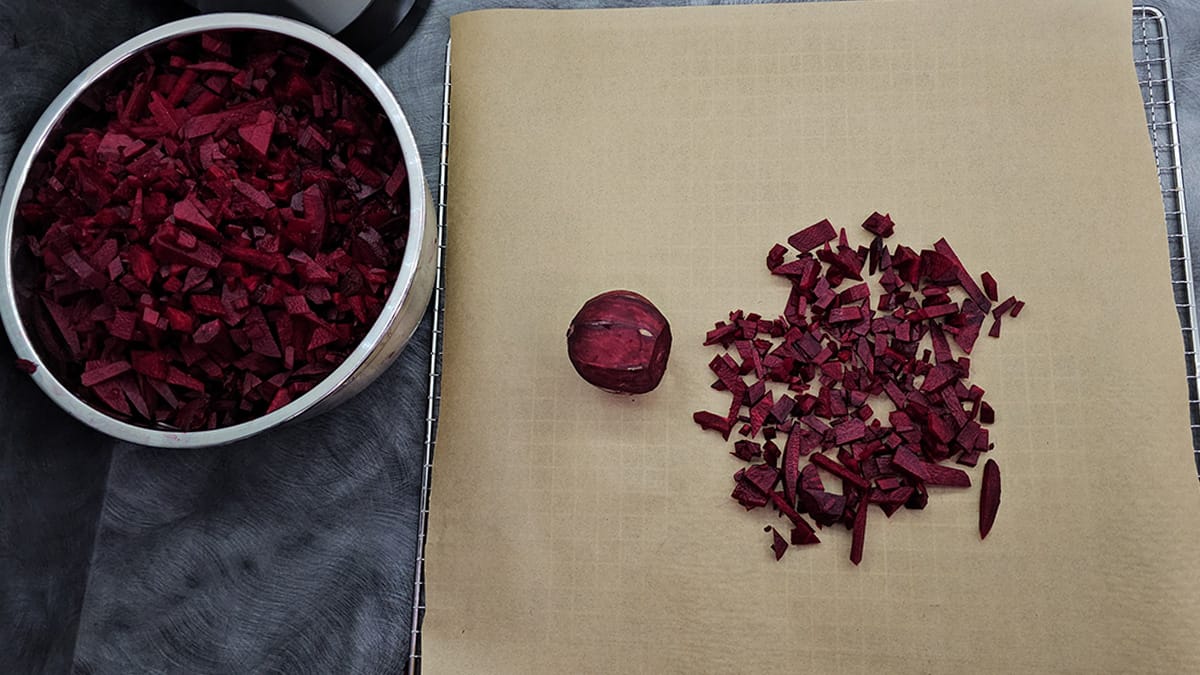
(435, 386)
(1152, 60)
(1153, 63)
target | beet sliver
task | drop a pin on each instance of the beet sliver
(946, 476)
(989, 497)
(791, 463)
(838, 470)
(859, 533)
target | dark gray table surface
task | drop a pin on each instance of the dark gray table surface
(292, 552)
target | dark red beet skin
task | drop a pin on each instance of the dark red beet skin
(620, 342)
(211, 230)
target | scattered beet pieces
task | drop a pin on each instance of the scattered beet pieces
(212, 230)
(872, 392)
(620, 342)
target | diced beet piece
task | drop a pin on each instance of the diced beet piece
(749, 497)
(839, 470)
(848, 431)
(989, 497)
(946, 475)
(713, 422)
(322, 337)
(746, 450)
(919, 498)
(775, 256)
(26, 366)
(778, 544)
(968, 283)
(812, 236)
(905, 460)
(182, 379)
(396, 179)
(843, 314)
(785, 508)
(968, 458)
(1003, 307)
(58, 315)
(94, 373)
(129, 387)
(986, 414)
(280, 399)
(803, 535)
(826, 508)
(940, 428)
(722, 334)
(213, 67)
(167, 248)
(989, 286)
(257, 135)
(771, 453)
(880, 225)
(888, 483)
(967, 335)
(188, 212)
(810, 478)
(938, 377)
(150, 364)
(215, 45)
(763, 477)
(758, 413)
(994, 331)
(782, 408)
(111, 394)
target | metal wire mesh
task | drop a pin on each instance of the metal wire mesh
(1152, 59)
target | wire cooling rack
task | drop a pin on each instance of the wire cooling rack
(1153, 62)
(1152, 59)
(435, 385)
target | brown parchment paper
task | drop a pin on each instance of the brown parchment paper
(665, 151)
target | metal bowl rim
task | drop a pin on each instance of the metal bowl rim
(334, 380)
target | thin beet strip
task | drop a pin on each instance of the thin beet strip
(989, 498)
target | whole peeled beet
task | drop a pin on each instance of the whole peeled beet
(620, 342)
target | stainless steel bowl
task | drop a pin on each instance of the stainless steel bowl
(400, 315)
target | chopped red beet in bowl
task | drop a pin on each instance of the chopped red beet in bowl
(211, 229)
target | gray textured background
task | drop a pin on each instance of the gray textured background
(292, 552)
